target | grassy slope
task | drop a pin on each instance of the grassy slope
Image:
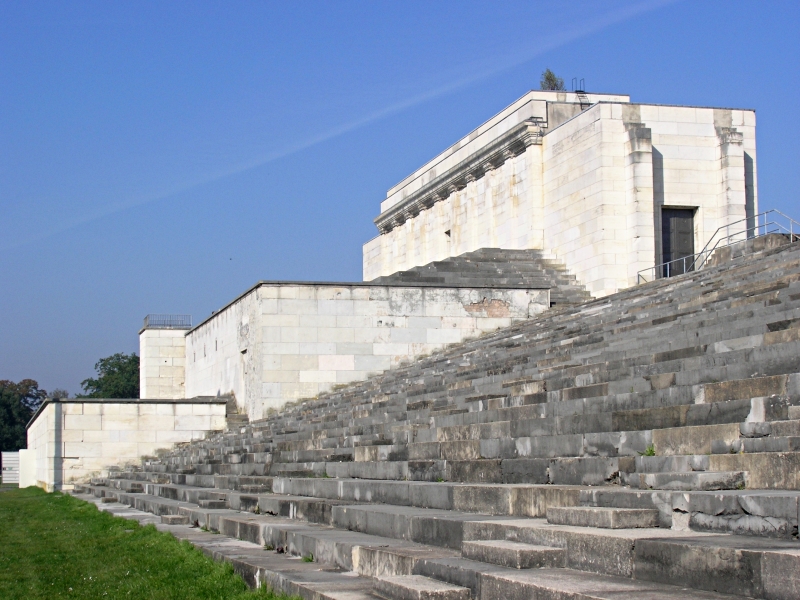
(55, 546)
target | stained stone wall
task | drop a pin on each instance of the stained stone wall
(162, 365)
(75, 439)
(585, 183)
(281, 342)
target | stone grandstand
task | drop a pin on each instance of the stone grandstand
(645, 444)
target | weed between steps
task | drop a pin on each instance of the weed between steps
(649, 451)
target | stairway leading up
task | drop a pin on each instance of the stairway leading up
(495, 267)
(646, 443)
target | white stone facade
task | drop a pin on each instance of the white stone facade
(73, 440)
(162, 363)
(281, 342)
(583, 181)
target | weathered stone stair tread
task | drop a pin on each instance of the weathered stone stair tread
(407, 527)
(309, 581)
(515, 555)
(577, 585)
(418, 587)
(693, 481)
(491, 266)
(213, 503)
(602, 517)
(260, 567)
(767, 569)
(308, 498)
(175, 519)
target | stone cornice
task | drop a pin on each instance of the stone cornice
(475, 166)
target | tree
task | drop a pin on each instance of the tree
(551, 81)
(59, 393)
(18, 402)
(117, 377)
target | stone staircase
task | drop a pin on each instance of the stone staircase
(233, 419)
(641, 444)
(495, 267)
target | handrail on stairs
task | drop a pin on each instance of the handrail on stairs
(763, 225)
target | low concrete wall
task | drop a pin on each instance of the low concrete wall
(27, 468)
(76, 439)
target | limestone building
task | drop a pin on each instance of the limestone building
(574, 193)
(606, 186)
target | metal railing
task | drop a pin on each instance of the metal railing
(768, 222)
(168, 322)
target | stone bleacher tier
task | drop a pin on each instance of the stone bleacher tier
(642, 445)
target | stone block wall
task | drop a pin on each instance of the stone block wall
(501, 209)
(162, 363)
(75, 439)
(584, 189)
(588, 191)
(281, 342)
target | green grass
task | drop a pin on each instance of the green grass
(56, 546)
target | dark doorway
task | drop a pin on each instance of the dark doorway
(677, 240)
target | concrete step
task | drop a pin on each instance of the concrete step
(761, 444)
(693, 481)
(175, 519)
(671, 464)
(491, 582)
(258, 566)
(212, 503)
(246, 536)
(603, 518)
(769, 569)
(418, 587)
(513, 554)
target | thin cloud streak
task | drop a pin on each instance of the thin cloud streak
(519, 58)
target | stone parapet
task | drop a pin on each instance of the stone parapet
(79, 438)
(283, 341)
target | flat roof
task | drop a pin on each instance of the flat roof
(513, 107)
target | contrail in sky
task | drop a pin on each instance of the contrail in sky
(542, 45)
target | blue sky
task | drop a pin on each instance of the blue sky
(165, 156)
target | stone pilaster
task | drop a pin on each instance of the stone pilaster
(732, 194)
(639, 199)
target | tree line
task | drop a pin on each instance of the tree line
(117, 376)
